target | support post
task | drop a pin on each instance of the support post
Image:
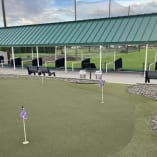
(55, 52)
(114, 58)
(146, 58)
(13, 57)
(100, 58)
(155, 56)
(32, 53)
(82, 56)
(37, 51)
(65, 56)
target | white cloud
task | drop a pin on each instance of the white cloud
(20, 11)
(23, 12)
(100, 10)
(133, 2)
(148, 7)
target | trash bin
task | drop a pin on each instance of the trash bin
(98, 74)
(82, 73)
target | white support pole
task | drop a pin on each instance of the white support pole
(114, 58)
(146, 58)
(37, 51)
(65, 56)
(82, 56)
(106, 67)
(22, 63)
(55, 52)
(13, 57)
(72, 66)
(155, 56)
(32, 53)
(100, 58)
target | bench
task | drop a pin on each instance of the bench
(44, 70)
(33, 70)
(150, 75)
(40, 70)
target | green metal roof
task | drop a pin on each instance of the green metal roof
(135, 29)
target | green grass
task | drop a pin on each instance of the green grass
(68, 120)
(131, 61)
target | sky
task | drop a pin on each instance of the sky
(26, 12)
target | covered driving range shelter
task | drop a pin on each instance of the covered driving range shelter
(134, 29)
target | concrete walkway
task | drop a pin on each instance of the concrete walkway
(112, 77)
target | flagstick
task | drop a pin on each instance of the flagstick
(24, 142)
(102, 95)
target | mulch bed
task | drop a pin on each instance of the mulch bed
(148, 90)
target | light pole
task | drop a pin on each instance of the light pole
(129, 9)
(3, 11)
(109, 9)
(75, 10)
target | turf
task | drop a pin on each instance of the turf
(132, 61)
(68, 120)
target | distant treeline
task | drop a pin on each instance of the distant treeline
(29, 49)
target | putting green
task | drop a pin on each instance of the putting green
(67, 119)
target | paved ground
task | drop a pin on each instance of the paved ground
(113, 77)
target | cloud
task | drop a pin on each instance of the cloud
(133, 2)
(100, 9)
(147, 7)
(18, 10)
(24, 7)
(23, 12)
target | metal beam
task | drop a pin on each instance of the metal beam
(65, 57)
(37, 51)
(55, 52)
(155, 56)
(100, 68)
(114, 58)
(32, 54)
(146, 59)
(13, 57)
